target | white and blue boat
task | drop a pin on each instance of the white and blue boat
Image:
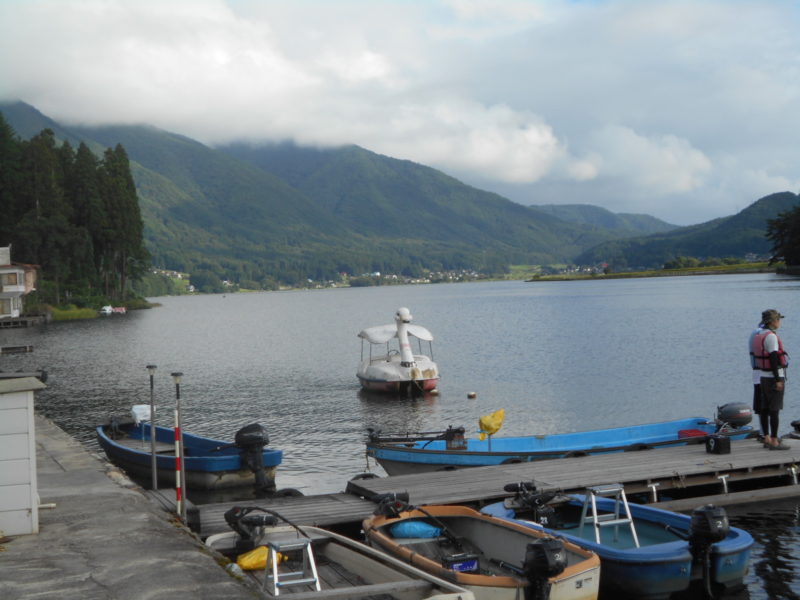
(654, 554)
(401, 454)
(208, 464)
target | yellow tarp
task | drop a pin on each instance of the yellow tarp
(256, 559)
(491, 424)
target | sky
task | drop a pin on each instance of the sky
(686, 110)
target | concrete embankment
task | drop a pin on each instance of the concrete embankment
(102, 539)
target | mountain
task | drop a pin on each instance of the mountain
(624, 223)
(734, 236)
(399, 199)
(262, 214)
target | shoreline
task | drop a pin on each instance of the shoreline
(662, 273)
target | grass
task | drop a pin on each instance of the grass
(72, 313)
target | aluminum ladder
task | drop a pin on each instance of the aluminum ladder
(306, 576)
(614, 519)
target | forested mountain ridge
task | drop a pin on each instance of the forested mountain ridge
(744, 232)
(588, 214)
(280, 213)
(205, 209)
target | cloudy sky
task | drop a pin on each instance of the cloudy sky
(687, 110)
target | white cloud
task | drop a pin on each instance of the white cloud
(662, 165)
(680, 109)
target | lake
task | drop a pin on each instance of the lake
(557, 356)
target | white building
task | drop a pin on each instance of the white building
(16, 280)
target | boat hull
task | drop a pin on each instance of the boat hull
(387, 374)
(663, 564)
(496, 541)
(203, 468)
(401, 456)
(407, 385)
(347, 569)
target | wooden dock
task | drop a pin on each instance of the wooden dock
(15, 322)
(680, 478)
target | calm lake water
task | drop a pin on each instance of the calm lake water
(557, 356)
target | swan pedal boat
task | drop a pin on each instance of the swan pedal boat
(486, 555)
(397, 369)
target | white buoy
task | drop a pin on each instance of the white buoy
(472, 395)
(434, 392)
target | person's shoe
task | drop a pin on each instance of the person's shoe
(780, 446)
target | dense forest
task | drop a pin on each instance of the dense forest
(74, 215)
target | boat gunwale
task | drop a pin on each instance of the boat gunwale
(373, 524)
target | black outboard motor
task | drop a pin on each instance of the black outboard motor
(733, 415)
(544, 558)
(247, 526)
(709, 525)
(534, 500)
(454, 438)
(251, 441)
(391, 504)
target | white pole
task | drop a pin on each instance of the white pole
(153, 466)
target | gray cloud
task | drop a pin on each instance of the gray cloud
(681, 109)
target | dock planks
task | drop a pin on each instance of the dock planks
(678, 468)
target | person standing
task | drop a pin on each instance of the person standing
(763, 416)
(771, 360)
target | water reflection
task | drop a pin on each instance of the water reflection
(775, 566)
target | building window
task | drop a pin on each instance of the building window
(8, 279)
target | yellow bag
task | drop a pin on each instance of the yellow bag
(491, 424)
(257, 558)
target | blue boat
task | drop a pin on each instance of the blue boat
(208, 463)
(401, 454)
(660, 554)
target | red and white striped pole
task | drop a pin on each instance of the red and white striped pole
(178, 478)
(180, 475)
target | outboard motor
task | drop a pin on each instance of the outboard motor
(733, 415)
(391, 504)
(709, 525)
(544, 558)
(247, 526)
(454, 438)
(534, 500)
(251, 441)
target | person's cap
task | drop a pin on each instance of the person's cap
(768, 316)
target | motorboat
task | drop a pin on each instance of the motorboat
(280, 558)
(645, 552)
(452, 448)
(397, 369)
(208, 464)
(495, 559)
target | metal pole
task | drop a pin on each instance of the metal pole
(153, 468)
(180, 479)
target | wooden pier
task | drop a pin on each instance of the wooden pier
(678, 478)
(15, 322)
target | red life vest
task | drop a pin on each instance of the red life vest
(760, 354)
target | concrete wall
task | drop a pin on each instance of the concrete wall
(19, 501)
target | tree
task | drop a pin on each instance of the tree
(124, 253)
(784, 232)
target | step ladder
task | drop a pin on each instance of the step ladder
(306, 576)
(614, 519)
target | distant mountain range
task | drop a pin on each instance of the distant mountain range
(287, 213)
(624, 223)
